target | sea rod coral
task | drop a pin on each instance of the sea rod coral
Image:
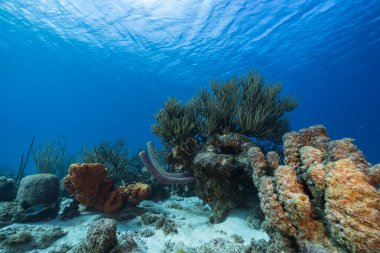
(324, 197)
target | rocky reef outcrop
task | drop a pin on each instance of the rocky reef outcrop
(324, 198)
(222, 170)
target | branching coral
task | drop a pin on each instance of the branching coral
(243, 105)
(114, 155)
(176, 122)
(51, 158)
(158, 172)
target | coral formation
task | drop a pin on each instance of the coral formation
(91, 186)
(114, 156)
(176, 122)
(323, 199)
(51, 158)
(222, 170)
(244, 105)
(134, 193)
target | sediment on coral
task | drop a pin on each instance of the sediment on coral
(324, 198)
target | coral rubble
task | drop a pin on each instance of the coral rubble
(323, 199)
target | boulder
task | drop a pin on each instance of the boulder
(38, 189)
(101, 236)
(38, 196)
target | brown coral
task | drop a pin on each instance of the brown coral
(324, 196)
(352, 207)
(134, 193)
(91, 186)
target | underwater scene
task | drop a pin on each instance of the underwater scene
(184, 126)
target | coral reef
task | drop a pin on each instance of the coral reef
(114, 156)
(323, 199)
(176, 122)
(244, 105)
(91, 186)
(51, 158)
(134, 193)
(7, 189)
(222, 170)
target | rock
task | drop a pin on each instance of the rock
(25, 238)
(160, 222)
(127, 245)
(223, 174)
(101, 236)
(38, 189)
(9, 213)
(39, 212)
(70, 211)
(7, 189)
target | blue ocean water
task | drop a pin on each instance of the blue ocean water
(95, 70)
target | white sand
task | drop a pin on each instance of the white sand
(192, 225)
